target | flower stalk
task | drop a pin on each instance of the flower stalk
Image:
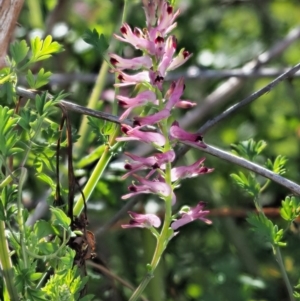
(155, 109)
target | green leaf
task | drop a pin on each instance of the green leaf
(278, 166)
(265, 229)
(19, 51)
(36, 295)
(46, 179)
(47, 248)
(35, 276)
(60, 218)
(249, 184)
(43, 49)
(6, 75)
(42, 229)
(2, 211)
(40, 101)
(98, 41)
(249, 149)
(41, 79)
(290, 208)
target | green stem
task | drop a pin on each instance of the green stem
(97, 173)
(164, 236)
(92, 104)
(284, 273)
(6, 265)
(21, 222)
(36, 16)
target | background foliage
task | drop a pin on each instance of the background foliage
(225, 261)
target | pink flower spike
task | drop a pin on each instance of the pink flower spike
(142, 221)
(190, 171)
(155, 187)
(129, 80)
(151, 119)
(131, 103)
(134, 63)
(153, 162)
(147, 137)
(135, 38)
(193, 214)
(179, 60)
(177, 133)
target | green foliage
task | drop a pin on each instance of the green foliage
(278, 166)
(43, 49)
(249, 149)
(101, 128)
(247, 183)
(266, 230)
(41, 79)
(290, 208)
(19, 51)
(97, 40)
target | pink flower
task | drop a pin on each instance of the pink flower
(134, 63)
(193, 214)
(131, 103)
(166, 18)
(162, 189)
(185, 104)
(154, 162)
(190, 171)
(174, 93)
(142, 221)
(136, 38)
(150, 12)
(129, 80)
(170, 48)
(151, 119)
(156, 79)
(181, 135)
(179, 60)
(134, 134)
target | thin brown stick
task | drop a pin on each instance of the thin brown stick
(113, 276)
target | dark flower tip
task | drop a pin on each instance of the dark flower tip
(159, 39)
(174, 42)
(120, 77)
(113, 61)
(136, 123)
(169, 9)
(121, 103)
(128, 166)
(158, 79)
(155, 166)
(136, 32)
(132, 188)
(185, 54)
(123, 30)
(124, 129)
(199, 138)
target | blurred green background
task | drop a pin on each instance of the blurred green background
(224, 261)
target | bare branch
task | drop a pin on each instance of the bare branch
(9, 12)
(295, 188)
(193, 72)
(210, 123)
(76, 108)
